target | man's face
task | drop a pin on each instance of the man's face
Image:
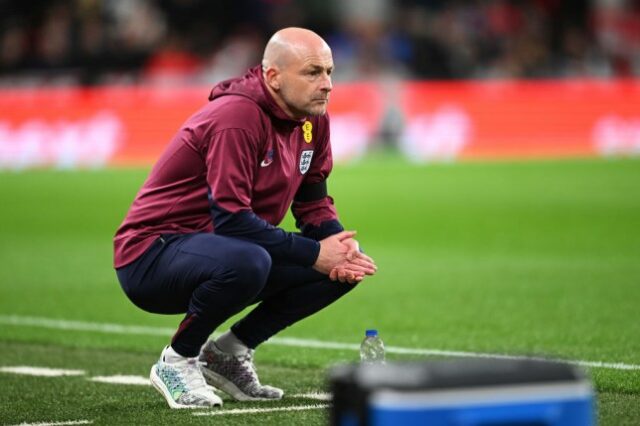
(305, 83)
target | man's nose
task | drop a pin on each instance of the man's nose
(326, 84)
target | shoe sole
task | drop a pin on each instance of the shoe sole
(157, 383)
(229, 387)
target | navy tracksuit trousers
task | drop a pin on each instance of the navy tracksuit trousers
(212, 277)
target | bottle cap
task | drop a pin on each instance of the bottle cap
(371, 332)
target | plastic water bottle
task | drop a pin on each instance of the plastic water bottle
(372, 348)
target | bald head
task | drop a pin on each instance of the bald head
(296, 68)
(291, 44)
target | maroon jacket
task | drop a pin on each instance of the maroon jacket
(234, 169)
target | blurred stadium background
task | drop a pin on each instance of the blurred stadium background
(487, 153)
(196, 41)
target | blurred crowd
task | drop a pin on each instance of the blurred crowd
(196, 41)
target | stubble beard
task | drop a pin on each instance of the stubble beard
(317, 110)
(309, 109)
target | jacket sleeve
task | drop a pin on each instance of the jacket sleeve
(312, 207)
(231, 160)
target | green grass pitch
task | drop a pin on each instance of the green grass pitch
(524, 258)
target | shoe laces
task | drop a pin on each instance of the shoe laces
(247, 361)
(190, 369)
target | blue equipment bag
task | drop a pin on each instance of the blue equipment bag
(477, 392)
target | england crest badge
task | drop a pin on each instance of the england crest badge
(305, 160)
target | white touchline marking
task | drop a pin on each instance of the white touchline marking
(70, 422)
(59, 324)
(320, 396)
(122, 380)
(319, 344)
(40, 371)
(261, 410)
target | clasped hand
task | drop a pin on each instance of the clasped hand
(341, 259)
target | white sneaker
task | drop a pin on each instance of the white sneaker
(236, 375)
(182, 385)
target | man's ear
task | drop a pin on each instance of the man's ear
(272, 78)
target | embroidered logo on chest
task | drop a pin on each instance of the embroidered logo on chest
(305, 160)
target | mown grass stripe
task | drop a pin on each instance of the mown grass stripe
(61, 324)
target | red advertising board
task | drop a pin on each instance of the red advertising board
(438, 121)
(521, 119)
(91, 127)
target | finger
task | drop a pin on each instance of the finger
(344, 235)
(361, 265)
(358, 257)
(362, 271)
(350, 276)
(357, 265)
(356, 272)
(353, 248)
(363, 262)
(356, 280)
(365, 257)
(353, 244)
(333, 275)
